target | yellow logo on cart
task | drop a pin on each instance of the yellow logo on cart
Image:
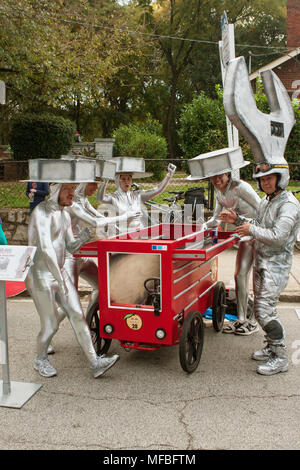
(214, 269)
(133, 321)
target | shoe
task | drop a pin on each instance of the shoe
(231, 327)
(274, 365)
(247, 328)
(50, 349)
(103, 364)
(44, 367)
(262, 355)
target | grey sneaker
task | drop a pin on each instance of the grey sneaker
(44, 367)
(274, 365)
(103, 364)
(262, 355)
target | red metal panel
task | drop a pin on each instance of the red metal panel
(186, 284)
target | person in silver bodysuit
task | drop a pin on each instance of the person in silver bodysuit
(84, 214)
(124, 199)
(49, 282)
(274, 231)
(240, 196)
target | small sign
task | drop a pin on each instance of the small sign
(159, 247)
(133, 321)
(225, 39)
(15, 262)
(228, 45)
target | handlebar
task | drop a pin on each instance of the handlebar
(169, 199)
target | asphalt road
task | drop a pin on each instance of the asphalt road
(146, 402)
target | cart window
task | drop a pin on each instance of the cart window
(134, 279)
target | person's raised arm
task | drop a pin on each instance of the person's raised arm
(101, 195)
(151, 193)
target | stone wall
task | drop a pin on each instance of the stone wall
(15, 225)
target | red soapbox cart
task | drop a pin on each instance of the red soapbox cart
(183, 266)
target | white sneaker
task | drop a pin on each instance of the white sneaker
(103, 364)
(44, 367)
(274, 365)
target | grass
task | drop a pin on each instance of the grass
(12, 195)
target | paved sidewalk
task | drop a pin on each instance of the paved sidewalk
(226, 266)
(290, 294)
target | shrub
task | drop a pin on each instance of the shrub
(202, 126)
(41, 136)
(292, 152)
(143, 140)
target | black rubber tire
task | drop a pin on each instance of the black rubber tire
(101, 345)
(191, 341)
(219, 306)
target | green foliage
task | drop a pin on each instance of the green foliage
(292, 152)
(202, 126)
(41, 136)
(143, 140)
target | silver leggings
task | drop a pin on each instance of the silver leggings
(52, 306)
(266, 296)
(243, 265)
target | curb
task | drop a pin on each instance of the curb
(83, 292)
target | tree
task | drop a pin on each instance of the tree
(62, 54)
(186, 37)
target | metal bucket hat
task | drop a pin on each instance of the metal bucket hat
(131, 165)
(62, 170)
(216, 163)
(105, 169)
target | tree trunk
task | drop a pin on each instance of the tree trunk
(171, 131)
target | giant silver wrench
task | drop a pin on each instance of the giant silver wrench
(267, 134)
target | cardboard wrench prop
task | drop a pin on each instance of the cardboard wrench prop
(267, 134)
(275, 228)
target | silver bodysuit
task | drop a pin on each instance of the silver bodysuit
(122, 201)
(241, 197)
(48, 281)
(275, 231)
(83, 214)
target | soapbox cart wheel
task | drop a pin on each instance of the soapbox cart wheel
(101, 345)
(219, 306)
(191, 341)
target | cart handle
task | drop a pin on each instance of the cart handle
(223, 242)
